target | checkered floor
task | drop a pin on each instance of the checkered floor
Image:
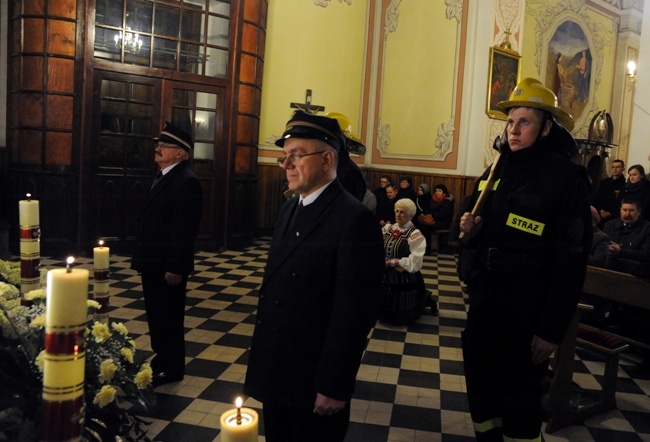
(410, 386)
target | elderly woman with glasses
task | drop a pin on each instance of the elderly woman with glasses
(404, 295)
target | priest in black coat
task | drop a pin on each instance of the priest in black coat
(319, 297)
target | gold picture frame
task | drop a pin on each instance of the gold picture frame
(505, 67)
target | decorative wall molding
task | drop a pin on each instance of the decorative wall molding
(444, 142)
(454, 9)
(383, 138)
(392, 14)
(324, 3)
(507, 19)
(444, 139)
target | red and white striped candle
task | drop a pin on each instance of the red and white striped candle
(30, 245)
(65, 354)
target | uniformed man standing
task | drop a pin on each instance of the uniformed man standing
(529, 248)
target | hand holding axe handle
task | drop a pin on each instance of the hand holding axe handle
(480, 201)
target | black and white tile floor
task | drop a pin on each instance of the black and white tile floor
(410, 385)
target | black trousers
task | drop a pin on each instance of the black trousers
(503, 384)
(295, 423)
(165, 307)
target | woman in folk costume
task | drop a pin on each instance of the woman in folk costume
(404, 294)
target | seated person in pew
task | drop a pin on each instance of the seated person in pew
(599, 254)
(629, 240)
(598, 257)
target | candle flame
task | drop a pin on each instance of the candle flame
(101, 243)
(29, 195)
(70, 260)
(239, 402)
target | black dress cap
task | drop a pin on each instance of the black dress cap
(306, 125)
(173, 135)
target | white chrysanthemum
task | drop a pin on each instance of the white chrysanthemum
(120, 328)
(38, 322)
(91, 303)
(100, 332)
(144, 377)
(36, 295)
(128, 354)
(105, 396)
(107, 370)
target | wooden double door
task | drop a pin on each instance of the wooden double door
(127, 111)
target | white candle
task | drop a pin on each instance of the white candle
(67, 293)
(28, 211)
(101, 256)
(239, 425)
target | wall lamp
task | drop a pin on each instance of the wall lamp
(631, 71)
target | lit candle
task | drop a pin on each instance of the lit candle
(67, 293)
(28, 211)
(30, 246)
(101, 275)
(64, 359)
(100, 256)
(240, 424)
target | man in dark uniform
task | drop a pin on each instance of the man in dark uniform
(606, 198)
(318, 299)
(164, 253)
(530, 247)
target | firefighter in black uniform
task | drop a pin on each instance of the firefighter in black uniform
(525, 261)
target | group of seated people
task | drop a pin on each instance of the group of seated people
(434, 209)
(621, 242)
(621, 213)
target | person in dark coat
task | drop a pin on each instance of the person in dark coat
(164, 253)
(637, 187)
(318, 300)
(384, 205)
(530, 243)
(406, 190)
(442, 207)
(606, 199)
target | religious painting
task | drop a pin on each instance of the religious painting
(569, 67)
(504, 76)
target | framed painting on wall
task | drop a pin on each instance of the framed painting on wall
(569, 67)
(503, 78)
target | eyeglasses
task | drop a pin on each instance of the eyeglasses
(294, 158)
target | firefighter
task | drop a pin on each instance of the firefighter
(348, 172)
(527, 254)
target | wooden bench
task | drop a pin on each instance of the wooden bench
(560, 408)
(607, 284)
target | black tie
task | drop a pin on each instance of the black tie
(159, 175)
(295, 216)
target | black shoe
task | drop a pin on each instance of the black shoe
(163, 378)
(433, 305)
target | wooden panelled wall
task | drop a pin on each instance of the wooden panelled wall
(270, 187)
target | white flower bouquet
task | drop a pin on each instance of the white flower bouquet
(117, 389)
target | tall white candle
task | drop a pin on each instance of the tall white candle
(67, 293)
(101, 256)
(28, 212)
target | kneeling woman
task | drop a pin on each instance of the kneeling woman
(405, 296)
